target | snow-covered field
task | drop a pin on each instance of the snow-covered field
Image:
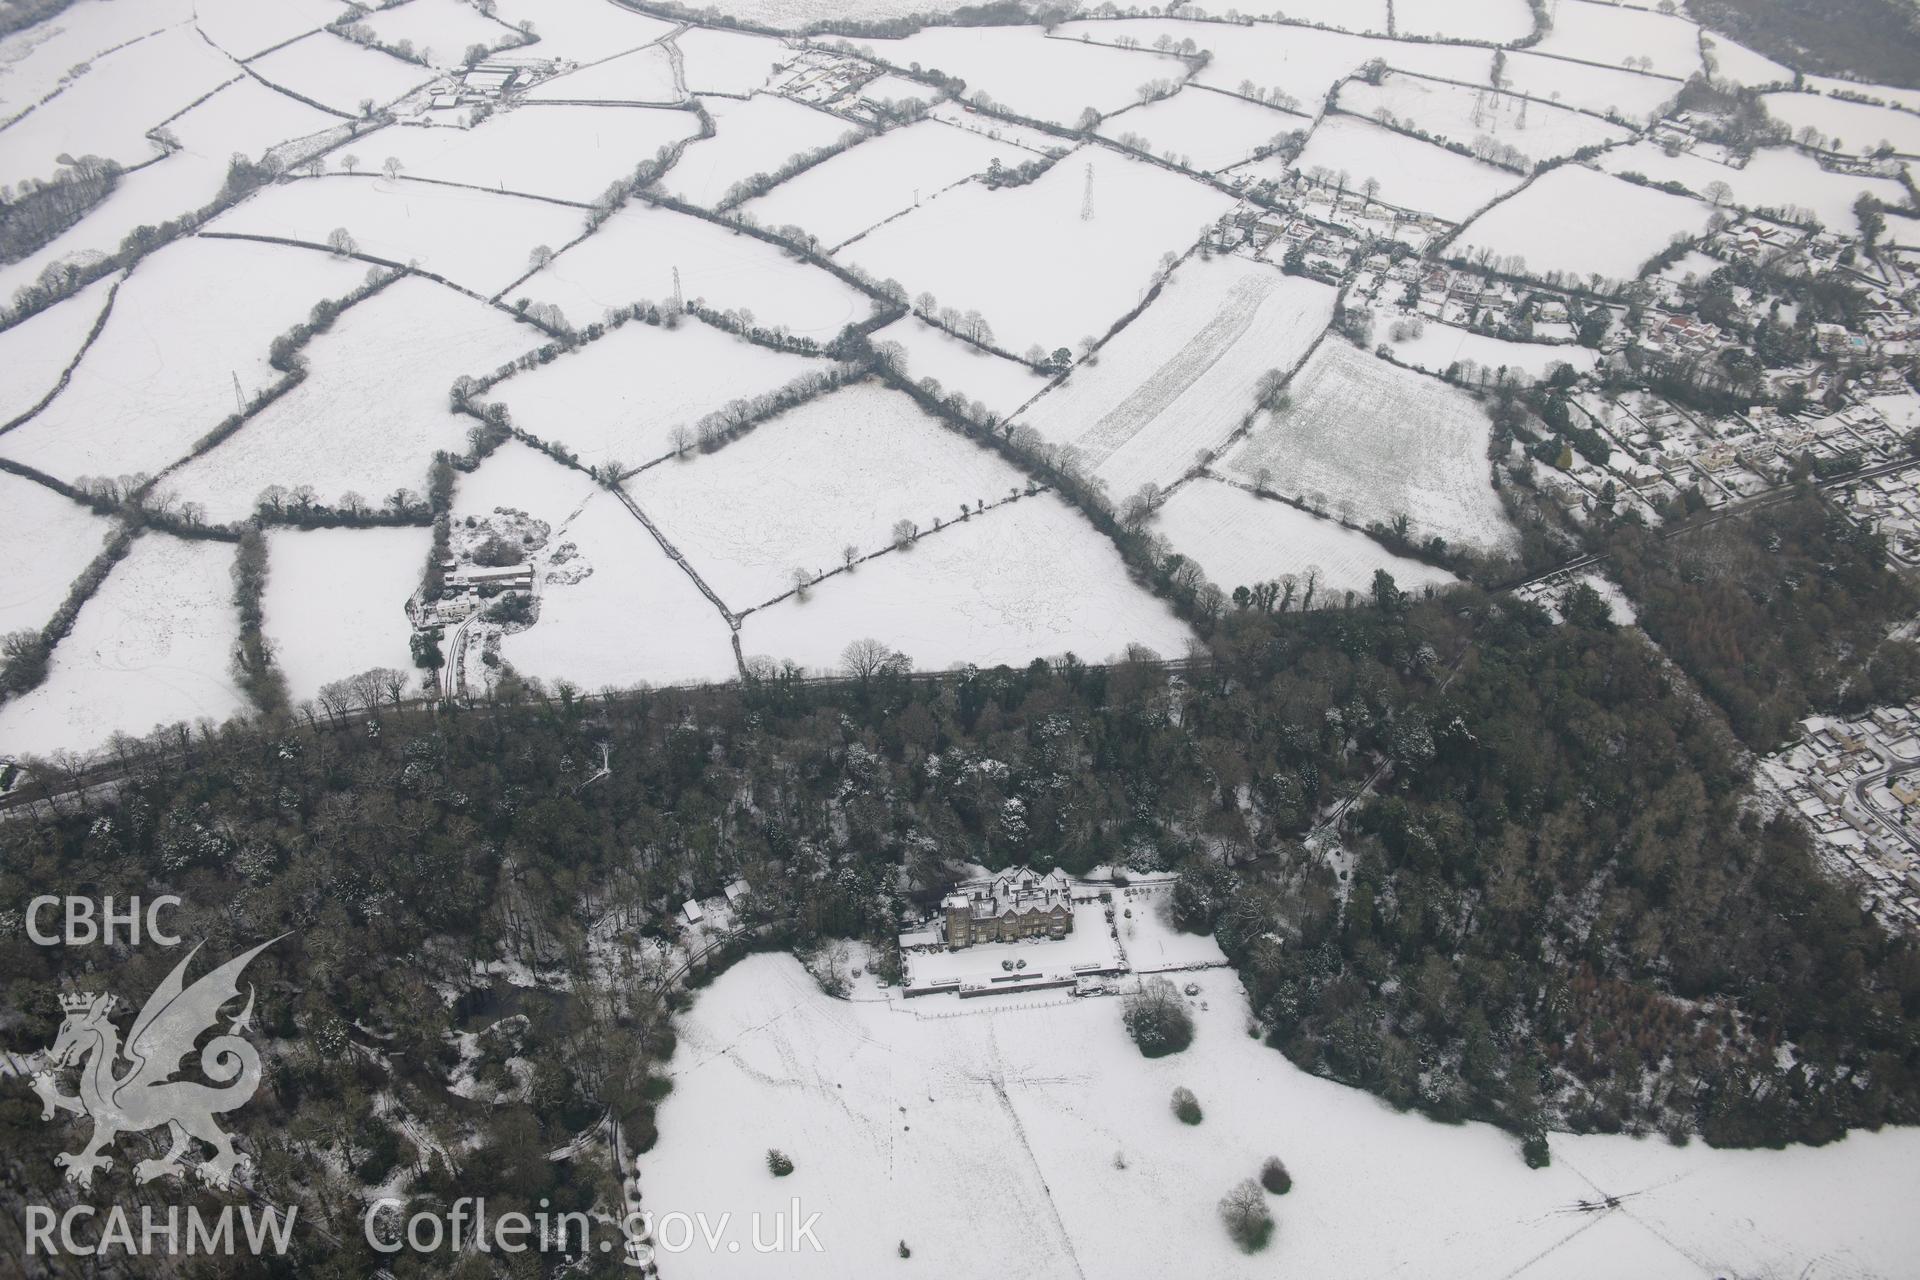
(1368, 441)
(582, 30)
(49, 540)
(339, 73)
(755, 137)
(1855, 127)
(1538, 130)
(1410, 173)
(1437, 347)
(987, 1142)
(152, 647)
(478, 239)
(1203, 129)
(372, 411)
(1603, 89)
(1585, 223)
(1181, 377)
(336, 599)
(244, 28)
(1499, 21)
(573, 153)
(1027, 71)
(35, 61)
(883, 176)
(522, 478)
(1623, 37)
(1001, 385)
(187, 323)
(728, 62)
(35, 351)
(1734, 63)
(637, 618)
(1240, 540)
(619, 399)
(635, 253)
(1028, 580)
(440, 31)
(1774, 178)
(836, 472)
(644, 75)
(977, 249)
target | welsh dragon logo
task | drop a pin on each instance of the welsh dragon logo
(144, 1095)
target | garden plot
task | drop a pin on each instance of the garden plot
(999, 385)
(244, 28)
(1735, 64)
(154, 646)
(581, 30)
(439, 31)
(635, 253)
(1538, 130)
(1205, 130)
(1240, 540)
(1028, 580)
(373, 409)
(336, 601)
(754, 137)
(1025, 259)
(480, 240)
(1439, 347)
(839, 199)
(892, 1113)
(36, 351)
(1498, 21)
(1777, 178)
(1181, 378)
(1370, 441)
(729, 62)
(1584, 223)
(621, 398)
(1623, 94)
(1839, 125)
(835, 473)
(339, 73)
(187, 322)
(1622, 37)
(48, 539)
(35, 60)
(645, 75)
(1410, 173)
(636, 618)
(108, 112)
(568, 152)
(1031, 73)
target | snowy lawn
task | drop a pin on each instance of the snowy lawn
(1152, 943)
(1583, 222)
(1024, 258)
(372, 411)
(998, 384)
(153, 646)
(1623, 37)
(440, 31)
(188, 321)
(1410, 173)
(1775, 178)
(757, 136)
(573, 153)
(45, 541)
(1031, 73)
(1183, 375)
(1240, 540)
(792, 493)
(894, 1115)
(336, 601)
(477, 239)
(619, 399)
(636, 618)
(1028, 580)
(1438, 347)
(1539, 130)
(635, 253)
(879, 178)
(1371, 441)
(644, 75)
(1203, 129)
(1855, 127)
(340, 73)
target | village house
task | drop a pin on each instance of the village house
(1017, 903)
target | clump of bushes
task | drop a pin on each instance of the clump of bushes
(1274, 1176)
(1156, 1017)
(1186, 1106)
(777, 1162)
(1248, 1220)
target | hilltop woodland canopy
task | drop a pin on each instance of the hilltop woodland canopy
(1562, 911)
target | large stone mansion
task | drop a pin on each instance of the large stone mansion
(1017, 903)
